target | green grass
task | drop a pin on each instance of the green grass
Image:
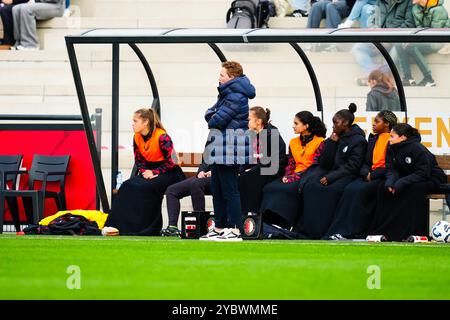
(35, 267)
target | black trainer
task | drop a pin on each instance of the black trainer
(337, 237)
(171, 231)
(298, 13)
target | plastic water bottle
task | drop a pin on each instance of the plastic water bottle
(417, 239)
(119, 179)
(376, 238)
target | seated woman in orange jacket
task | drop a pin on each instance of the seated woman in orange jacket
(281, 199)
(136, 210)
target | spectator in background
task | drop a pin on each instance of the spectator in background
(357, 14)
(427, 14)
(24, 19)
(332, 11)
(6, 8)
(283, 8)
(67, 10)
(390, 14)
(301, 8)
(383, 94)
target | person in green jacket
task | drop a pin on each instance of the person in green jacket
(427, 14)
(387, 14)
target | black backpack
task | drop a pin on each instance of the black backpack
(67, 224)
(249, 14)
(71, 224)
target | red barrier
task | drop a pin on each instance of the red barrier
(54, 140)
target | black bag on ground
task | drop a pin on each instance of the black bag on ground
(272, 231)
(67, 224)
(70, 224)
(249, 14)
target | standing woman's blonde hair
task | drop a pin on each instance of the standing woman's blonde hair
(152, 117)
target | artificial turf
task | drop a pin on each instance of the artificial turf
(35, 267)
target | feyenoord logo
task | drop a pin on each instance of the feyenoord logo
(345, 149)
(408, 160)
(210, 224)
(249, 226)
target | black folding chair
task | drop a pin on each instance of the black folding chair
(9, 168)
(43, 169)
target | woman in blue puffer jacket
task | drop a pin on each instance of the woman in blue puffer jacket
(227, 148)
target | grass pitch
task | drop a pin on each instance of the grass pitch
(38, 267)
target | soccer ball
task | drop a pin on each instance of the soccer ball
(441, 231)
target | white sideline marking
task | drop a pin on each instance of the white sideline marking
(272, 242)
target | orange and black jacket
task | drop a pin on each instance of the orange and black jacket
(378, 173)
(164, 163)
(294, 170)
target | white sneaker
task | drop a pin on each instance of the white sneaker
(212, 235)
(67, 13)
(110, 231)
(20, 47)
(229, 236)
(346, 24)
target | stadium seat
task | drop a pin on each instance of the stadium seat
(9, 169)
(44, 169)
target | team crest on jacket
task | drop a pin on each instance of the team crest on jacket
(408, 160)
(345, 149)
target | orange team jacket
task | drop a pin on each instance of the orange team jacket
(379, 151)
(150, 149)
(304, 155)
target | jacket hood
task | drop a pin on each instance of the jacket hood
(355, 130)
(238, 85)
(383, 89)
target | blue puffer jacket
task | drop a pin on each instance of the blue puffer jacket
(225, 118)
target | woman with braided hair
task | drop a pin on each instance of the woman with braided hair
(358, 202)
